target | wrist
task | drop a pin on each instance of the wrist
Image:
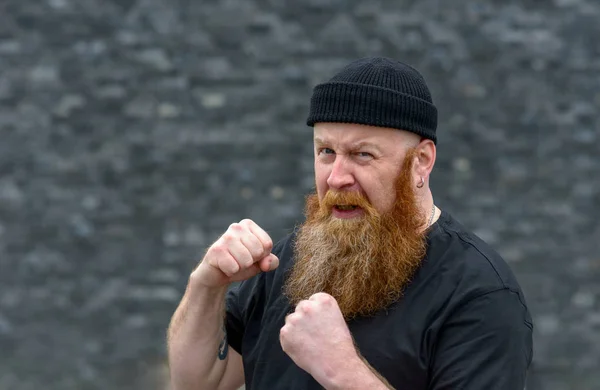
(342, 376)
(201, 291)
(355, 374)
(203, 278)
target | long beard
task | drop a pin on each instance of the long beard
(365, 262)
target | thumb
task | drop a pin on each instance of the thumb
(268, 263)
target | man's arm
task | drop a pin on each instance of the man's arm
(358, 374)
(486, 344)
(199, 356)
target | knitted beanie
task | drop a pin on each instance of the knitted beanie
(378, 92)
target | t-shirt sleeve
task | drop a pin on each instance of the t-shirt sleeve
(234, 322)
(485, 344)
(240, 301)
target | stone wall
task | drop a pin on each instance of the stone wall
(133, 132)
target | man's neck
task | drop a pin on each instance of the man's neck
(429, 210)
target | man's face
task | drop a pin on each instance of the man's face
(362, 239)
(360, 159)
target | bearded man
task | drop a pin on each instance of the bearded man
(377, 289)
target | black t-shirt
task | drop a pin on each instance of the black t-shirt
(462, 323)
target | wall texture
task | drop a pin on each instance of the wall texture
(133, 132)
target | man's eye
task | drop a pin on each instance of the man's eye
(326, 151)
(364, 155)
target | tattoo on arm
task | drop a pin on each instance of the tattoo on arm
(223, 346)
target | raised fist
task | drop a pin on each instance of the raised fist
(317, 338)
(240, 253)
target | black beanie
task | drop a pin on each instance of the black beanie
(378, 92)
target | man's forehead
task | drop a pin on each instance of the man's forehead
(356, 135)
(347, 134)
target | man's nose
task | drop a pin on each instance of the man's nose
(341, 174)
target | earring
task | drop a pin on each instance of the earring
(422, 183)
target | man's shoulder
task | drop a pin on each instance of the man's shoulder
(462, 270)
(468, 260)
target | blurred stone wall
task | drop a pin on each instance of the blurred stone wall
(133, 132)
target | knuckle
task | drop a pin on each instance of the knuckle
(283, 336)
(304, 307)
(228, 237)
(219, 249)
(246, 222)
(236, 227)
(291, 319)
(325, 297)
(322, 298)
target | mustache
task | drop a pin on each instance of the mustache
(349, 198)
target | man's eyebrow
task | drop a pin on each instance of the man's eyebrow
(319, 142)
(354, 146)
(365, 144)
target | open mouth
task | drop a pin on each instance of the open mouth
(345, 207)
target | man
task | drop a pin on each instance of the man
(377, 289)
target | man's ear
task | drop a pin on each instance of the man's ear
(426, 154)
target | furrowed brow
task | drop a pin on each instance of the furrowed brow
(320, 142)
(367, 145)
(355, 146)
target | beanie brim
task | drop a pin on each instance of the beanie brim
(372, 105)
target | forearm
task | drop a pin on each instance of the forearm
(358, 374)
(194, 335)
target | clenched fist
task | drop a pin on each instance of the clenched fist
(317, 338)
(241, 252)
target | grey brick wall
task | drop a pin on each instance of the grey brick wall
(133, 132)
